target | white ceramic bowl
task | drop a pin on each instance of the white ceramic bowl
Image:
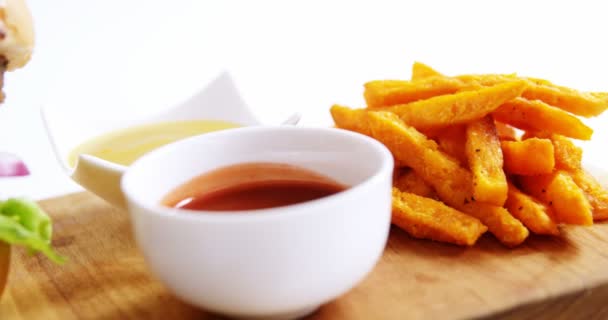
(273, 263)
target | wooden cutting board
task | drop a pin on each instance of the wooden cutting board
(548, 278)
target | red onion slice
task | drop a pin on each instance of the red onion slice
(12, 166)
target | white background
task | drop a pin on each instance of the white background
(286, 56)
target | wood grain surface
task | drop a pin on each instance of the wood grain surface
(106, 278)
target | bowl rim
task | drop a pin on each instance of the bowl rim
(384, 169)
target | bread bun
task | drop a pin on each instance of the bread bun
(16, 33)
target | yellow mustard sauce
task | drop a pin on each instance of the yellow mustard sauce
(127, 145)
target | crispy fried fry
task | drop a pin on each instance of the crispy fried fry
(421, 71)
(486, 163)
(528, 157)
(595, 193)
(452, 182)
(459, 108)
(559, 191)
(408, 181)
(567, 155)
(505, 131)
(539, 116)
(533, 214)
(506, 228)
(350, 119)
(476, 81)
(452, 141)
(354, 120)
(416, 151)
(580, 103)
(430, 219)
(385, 93)
(586, 104)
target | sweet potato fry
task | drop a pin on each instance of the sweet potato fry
(459, 108)
(476, 81)
(505, 131)
(539, 116)
(350, 119)
(421, 71)
(586, 104)
(559, 191)
(452, 183)
(568, 156)
(528, 157)
(452, 141)
(353, 120)
(408, 181)
(508, 230)
(485, 160)
(535, 215)
(385, 93)
(580, 103)
(430, 219)
(595, 193)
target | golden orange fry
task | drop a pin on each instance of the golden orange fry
(477, 81)
(595, 193)
(568, 156)
(408, 181)
(430, 219)
(385, 93)
(559, 191)
(452, 141)
(533, 214)
(567, 99)
(485, 160)
(414, 150)
(459, 108)
(349, 119)
(587, 104)
(528, 157)
(452, 182)
(421, 71)
(539, 116)
(353, 120)
(506, 228)
(580, 103)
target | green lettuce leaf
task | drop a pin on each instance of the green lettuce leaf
(23, 222)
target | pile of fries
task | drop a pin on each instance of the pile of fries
(482, 152)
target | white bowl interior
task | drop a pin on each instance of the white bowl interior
(327, 151)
